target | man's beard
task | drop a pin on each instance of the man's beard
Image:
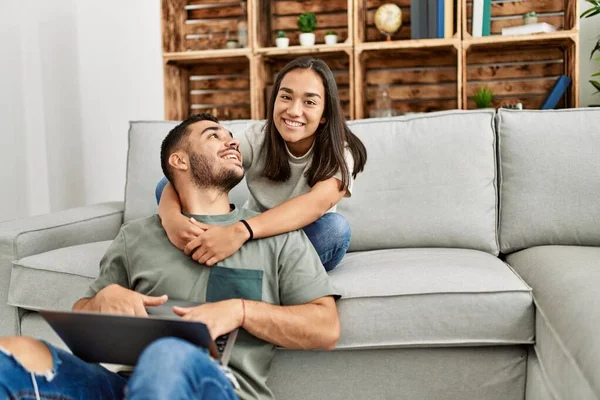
(203, 177)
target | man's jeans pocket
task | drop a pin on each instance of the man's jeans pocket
(234, 283)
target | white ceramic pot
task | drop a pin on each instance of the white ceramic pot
(330, 39)
(307, 39)
(282, 42)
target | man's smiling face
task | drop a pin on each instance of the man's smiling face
(215, 160)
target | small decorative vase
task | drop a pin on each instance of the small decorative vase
(282, 42)
(232, 44)
(330, 39)
(307, 39)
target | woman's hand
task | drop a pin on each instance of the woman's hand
(181, 229)
(217, 243)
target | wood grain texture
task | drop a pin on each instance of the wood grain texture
(294, 7)
(519, 7)
(176, 81)
(496, 26)
(172, 23)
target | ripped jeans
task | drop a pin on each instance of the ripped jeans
(167, 369)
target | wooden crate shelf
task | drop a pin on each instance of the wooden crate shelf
(418, 80)
(220, 86)
(193, 25)
(421, 75)
(282, 15)
(340, 63)
(367, 32)
(520, 75)
(316, 50)
(562, 14)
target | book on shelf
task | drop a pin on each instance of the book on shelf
(448, 19)
(431, 19)
(530, 29)
(487, 18)
(440, 21)
(481, 20)
(556, 93)
(418, 19)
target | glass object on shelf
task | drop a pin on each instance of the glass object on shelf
(383, 104)
(242, 27)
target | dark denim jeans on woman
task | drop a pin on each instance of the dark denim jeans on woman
(169, 368)
(330, 235)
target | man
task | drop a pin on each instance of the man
(275, 289)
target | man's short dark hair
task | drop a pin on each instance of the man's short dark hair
(175, 140)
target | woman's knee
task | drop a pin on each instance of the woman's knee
(338, 227)
(32, 354)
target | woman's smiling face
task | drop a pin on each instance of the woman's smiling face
(299, 108)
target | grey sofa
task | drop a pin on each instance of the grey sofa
(473, 273)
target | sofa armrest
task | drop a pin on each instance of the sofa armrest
(35, 235)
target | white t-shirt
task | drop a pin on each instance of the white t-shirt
(266, 194)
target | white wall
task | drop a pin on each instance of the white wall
(72, 74)
(76, 73)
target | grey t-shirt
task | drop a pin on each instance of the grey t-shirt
(266, 194)
(282, 270)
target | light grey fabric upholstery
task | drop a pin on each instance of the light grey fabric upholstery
(431, 297)
(537, 386)
(482, 373)
(33, 325)
(430, 181)
(565, 283)
(55, 279)
(550, 175)
(144, 171)
(35, 235)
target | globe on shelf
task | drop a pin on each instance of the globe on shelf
(388, 19)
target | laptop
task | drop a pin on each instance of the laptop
(118, 339)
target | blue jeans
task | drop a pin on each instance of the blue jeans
(330, 235)
(169, 368)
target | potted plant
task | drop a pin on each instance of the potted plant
(530, 18)
(307, 23)
(483, 97)
(594, 10)
(331, 37)
(282, 41)
(232, 44)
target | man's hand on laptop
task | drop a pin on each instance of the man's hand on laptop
(115, 299)
(221, 317)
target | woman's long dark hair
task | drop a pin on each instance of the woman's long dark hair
(331, 137)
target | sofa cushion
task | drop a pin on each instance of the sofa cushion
(431, 297)
(429, 181)
(144, 171)
(565, 281)
(55, 279)
(549, 178)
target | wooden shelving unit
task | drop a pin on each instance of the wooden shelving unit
(420, 75)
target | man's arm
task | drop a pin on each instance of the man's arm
(314, 325)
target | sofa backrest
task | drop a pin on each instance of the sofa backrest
(429, 181)
(144, 171)
(549, 178)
